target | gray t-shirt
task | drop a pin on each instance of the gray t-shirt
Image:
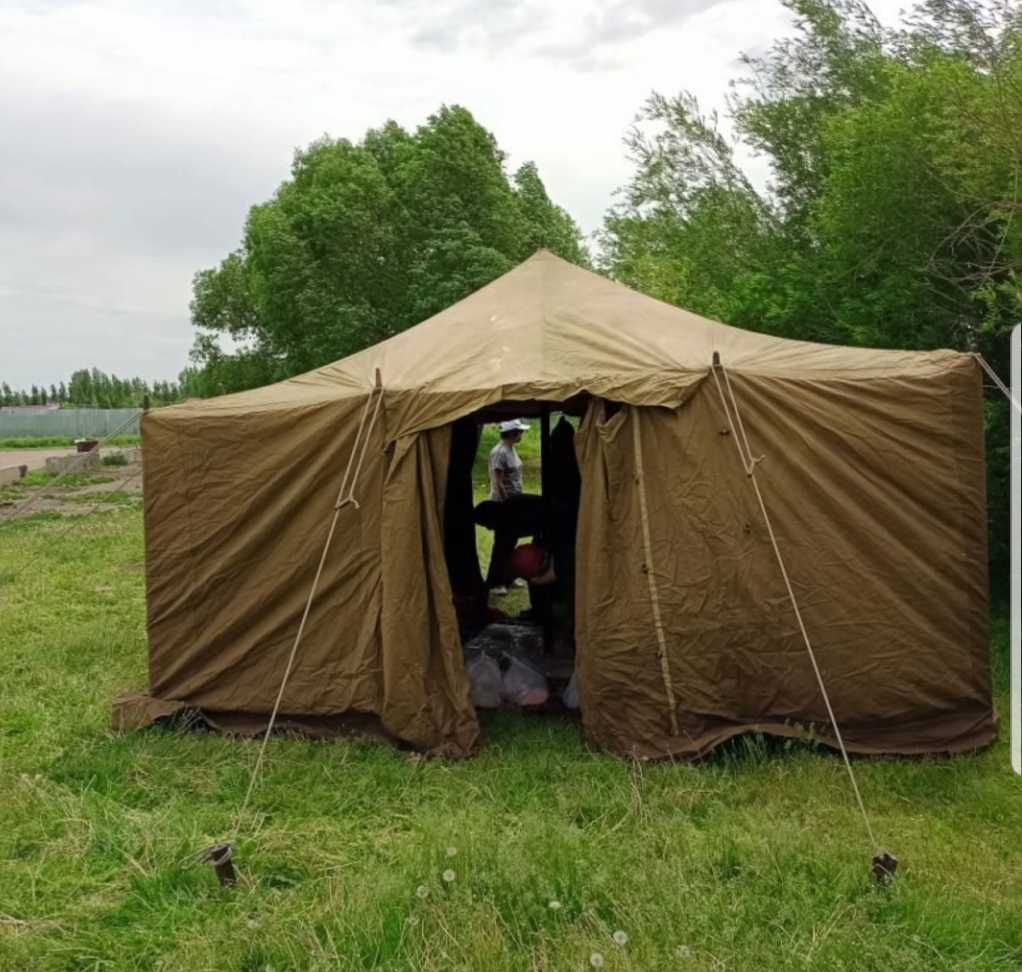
(503, 456)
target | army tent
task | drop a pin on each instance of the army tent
(872, 468)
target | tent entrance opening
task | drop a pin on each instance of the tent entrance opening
(510, 519)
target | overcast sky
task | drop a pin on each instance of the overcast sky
(134, 136)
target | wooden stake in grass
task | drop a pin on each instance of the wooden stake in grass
(884, 866)
(219, 855)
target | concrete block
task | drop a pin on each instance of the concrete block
(79, 462)
(11, 474)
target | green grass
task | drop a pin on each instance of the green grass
(61, 441)
(39, 477)
(112, 496)
(754, 860)
(17, 490)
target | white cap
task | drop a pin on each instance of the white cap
(515, 425)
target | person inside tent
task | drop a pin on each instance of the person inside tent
(548, 569)
(510, 512)
(505, 463)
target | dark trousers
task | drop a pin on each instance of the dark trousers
(504, 544)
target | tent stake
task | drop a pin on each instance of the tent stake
(220, 856)
(884, 866)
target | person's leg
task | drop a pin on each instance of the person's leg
(515, 518)
(504, 541)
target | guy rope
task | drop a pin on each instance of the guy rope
(221, 855)
(884, 864)
(1001, 386)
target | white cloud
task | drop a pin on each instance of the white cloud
(136, 135)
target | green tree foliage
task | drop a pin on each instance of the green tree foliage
(892, 216)
(365, 240)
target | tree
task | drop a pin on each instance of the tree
(93, 388)
(891, 218)
(363, 241)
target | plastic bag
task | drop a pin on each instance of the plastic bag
(500, 637)
(522, 684)
(570, 694)
(484, 680)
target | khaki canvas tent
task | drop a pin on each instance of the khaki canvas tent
(873, 473)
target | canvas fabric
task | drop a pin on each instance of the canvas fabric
(874, 474)
(883, 536)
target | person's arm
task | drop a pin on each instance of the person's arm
(547, 576)
(499, 483)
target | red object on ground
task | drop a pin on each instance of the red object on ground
(495, 614)
(527, 561)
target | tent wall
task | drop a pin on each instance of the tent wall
(236, 513)
(426, 699)
(877, 491)
(877, 494)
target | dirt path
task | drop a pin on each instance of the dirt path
(33, 458)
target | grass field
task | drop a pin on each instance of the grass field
(754, 860)
(58, 441)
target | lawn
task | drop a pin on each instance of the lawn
(57, 441)
(753, 860)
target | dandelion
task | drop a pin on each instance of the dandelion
(683, 952)
(422, 891)
(555, 906)
(448, 875)
(620, 937)
(452, 851)
(596, 960)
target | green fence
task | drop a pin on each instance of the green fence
(76, 423)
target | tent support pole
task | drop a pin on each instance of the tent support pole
(650, 572)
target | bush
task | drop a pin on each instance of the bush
(115, 459)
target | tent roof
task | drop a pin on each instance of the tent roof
(549, 329)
